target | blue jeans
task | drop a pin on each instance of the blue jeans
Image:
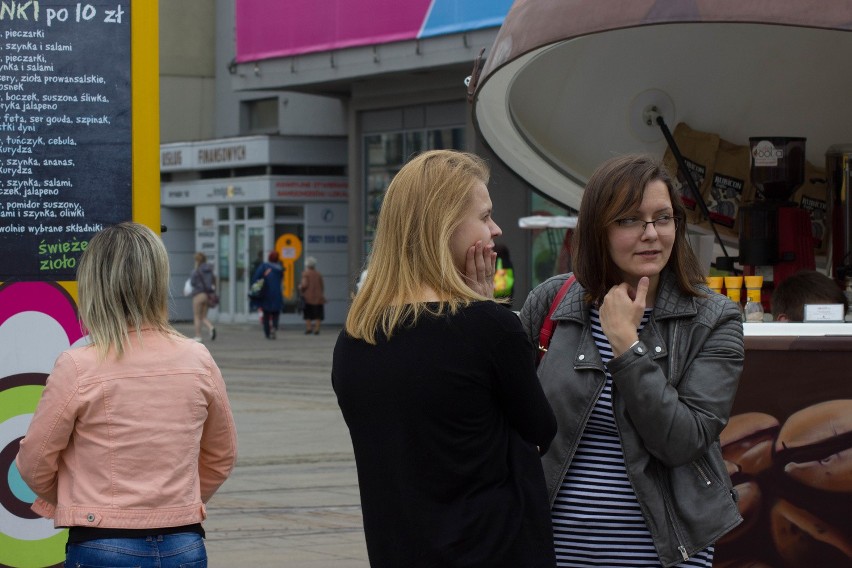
(182, 550)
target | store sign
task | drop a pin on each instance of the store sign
(327, 227)
(307, 189)
(252, 190)
(221, 155)
(328, 215)
(65, 137)
(205, 233)
(224, 153)
(171, 158)
(328, 240)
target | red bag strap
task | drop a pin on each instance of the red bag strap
(548, 325)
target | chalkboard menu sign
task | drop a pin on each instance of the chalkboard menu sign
(65, 132)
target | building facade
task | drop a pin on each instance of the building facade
(386, 78)
(237, 199)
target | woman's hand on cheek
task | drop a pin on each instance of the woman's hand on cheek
(480, 264)
(621, 313)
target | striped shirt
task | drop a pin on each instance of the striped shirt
(596, 517)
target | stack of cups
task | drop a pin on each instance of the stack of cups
(753, 285)
(734, 288)
(754, 308)
(715, 283)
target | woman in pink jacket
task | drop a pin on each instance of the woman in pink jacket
(133, 433)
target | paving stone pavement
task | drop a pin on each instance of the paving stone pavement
(292, 500)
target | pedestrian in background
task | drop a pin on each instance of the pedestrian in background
(437, 384)
(203, 282)
(271, 301)
(133, 433)
(804, 287)
(313, 294)
(641, 370)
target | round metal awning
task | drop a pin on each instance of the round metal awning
(568, 82)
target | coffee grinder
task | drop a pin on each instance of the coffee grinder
(776, 237)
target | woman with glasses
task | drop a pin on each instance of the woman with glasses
(641, 372)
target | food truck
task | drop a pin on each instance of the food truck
(747, 104)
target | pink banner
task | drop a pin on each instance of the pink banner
(280, 28)
(276, 28)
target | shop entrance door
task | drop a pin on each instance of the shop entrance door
(249, 255)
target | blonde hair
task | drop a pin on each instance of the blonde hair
(200, 258)
(123, 281)
(424, 204)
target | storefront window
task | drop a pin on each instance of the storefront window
(259, 116)
(386, 153)
(415, 141)
(223, 273)
(289, 212)
(445, 138)
(255, 253)
(549, 253)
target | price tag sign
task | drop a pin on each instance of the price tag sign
(825, 312)
(65, 132)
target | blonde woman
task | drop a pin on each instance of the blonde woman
(437, 384)
(203, 282)
(133, 433)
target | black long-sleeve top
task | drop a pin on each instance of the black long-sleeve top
(445, 419)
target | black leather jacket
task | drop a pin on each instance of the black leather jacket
(672, 395)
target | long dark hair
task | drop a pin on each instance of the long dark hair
(616, 188)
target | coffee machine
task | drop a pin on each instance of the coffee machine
(776, 238)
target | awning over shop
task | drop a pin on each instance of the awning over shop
(566, 83)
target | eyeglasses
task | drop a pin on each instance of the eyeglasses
(664, 225)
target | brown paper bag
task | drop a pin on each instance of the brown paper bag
(729, 185)
(814, 196)
(699, 153)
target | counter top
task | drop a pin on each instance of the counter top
(796, 329)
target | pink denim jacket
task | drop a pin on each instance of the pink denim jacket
(139, 442)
